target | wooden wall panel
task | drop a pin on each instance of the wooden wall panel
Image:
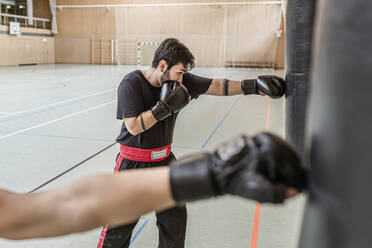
(89, 21)
(280, 48)
(251, 36)
(41, 9)
(73, 49)
(126, 51)
(200, 28)
(71, 2)
(49, 56)
(103, 50)
(8, 50)
(96, 51)
(169, 20)
(241, 35)
(217, 36)
(26, 50)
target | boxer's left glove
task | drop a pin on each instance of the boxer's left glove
(259, 168)
(271, 86)
(173, 97)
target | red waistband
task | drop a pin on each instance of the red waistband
(145, 155)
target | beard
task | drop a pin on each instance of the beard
(164, 77)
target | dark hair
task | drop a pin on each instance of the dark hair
(173, 52)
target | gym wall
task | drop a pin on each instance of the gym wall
(237, 35)
(81, 32)
(41, 9)
(26, 49)
(33, 46)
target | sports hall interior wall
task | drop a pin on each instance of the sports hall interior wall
(242, 35)
(41, 9)
(34, 46)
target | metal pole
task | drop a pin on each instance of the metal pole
(30, 11)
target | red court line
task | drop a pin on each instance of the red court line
(256, 224)
(256, 221)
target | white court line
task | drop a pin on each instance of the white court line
(59, 119)
(5, 113)
(54, 104)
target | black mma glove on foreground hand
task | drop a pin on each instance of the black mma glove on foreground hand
(173, 97)
(260, 168)
(272, 86)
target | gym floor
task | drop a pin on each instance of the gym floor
(57, 123)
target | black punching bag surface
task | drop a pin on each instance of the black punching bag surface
(299, 29)
(339, 211)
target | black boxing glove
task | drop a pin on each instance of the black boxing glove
(173, 97)
(272, 86)
(259, 168)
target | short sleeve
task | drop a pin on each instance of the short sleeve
(130, 102)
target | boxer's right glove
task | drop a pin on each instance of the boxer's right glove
(260, 168)
(173, 97)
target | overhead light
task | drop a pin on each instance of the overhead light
(21, 6)
(8, 6)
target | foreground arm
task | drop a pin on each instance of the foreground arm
(262, 168)
(85, 204)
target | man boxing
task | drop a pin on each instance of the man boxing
(148, 103)
(263, 168)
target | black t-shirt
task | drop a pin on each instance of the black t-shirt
(136, 95)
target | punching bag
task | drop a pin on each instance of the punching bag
(299, 29)
(339, 209)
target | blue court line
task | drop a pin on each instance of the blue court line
(139, 231)
(219, 124)
(50, 108)
(189, 147)
(63, 137)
